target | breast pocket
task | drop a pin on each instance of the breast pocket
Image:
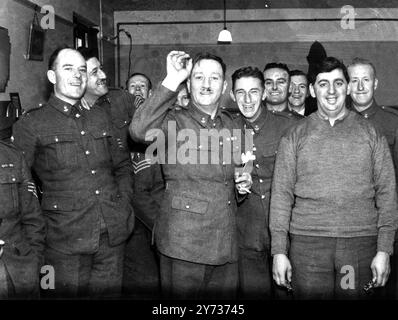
(9, 180)
(187, 204)
(102, 144)
(121, 127)
(268, 160)
(60, 151)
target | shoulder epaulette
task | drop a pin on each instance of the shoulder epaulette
(391, 109)
(34, 108)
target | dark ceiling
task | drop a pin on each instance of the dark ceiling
(157, 5)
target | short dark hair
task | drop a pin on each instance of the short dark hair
(88, 53)
(54, 56)
(139, 74)
(297, 72)
(247, 72)
(327, 65)
(209, 56)
(358, 61)
(277, 65)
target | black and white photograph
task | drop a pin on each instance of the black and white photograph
(196, 159)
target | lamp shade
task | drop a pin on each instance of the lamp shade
(225, 36)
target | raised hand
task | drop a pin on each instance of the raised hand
(179, 66)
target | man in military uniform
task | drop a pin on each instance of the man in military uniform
(22, 227)
(277, 80)
(139, 262)
(298, 93)
(195, 231)
(141, 277)
(254, 240)
(86, 183)
(119, 104)
(363, 83)
(139, 84)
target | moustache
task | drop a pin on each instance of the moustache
(206, 90)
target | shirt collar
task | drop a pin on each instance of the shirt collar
(338, 119)
(62, 106)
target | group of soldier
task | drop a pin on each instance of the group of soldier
(310, 202)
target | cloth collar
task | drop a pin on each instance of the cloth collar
(202, 117)
(259, 123)
(62, 106)
(98, 102)
(369, 111)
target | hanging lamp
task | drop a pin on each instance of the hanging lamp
(225, 36)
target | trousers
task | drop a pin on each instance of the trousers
(97, 275)
(188, 280)
(331, 268)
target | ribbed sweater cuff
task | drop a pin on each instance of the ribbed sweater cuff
(278, 243)
(385, 241)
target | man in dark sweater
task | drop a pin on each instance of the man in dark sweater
(333, 193)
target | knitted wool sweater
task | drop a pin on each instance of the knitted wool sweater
(333, 181)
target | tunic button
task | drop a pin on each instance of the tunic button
(87, 152)
(97, 192)
(261, 180)
(187, 206)
(83, 133)
(93, 172)
(229, 202)
(55, 206)
(254, 148)
(366, 115)
(223, 163)
(257, 165)
(56, 139)
(13, 179)
(221, 143)
(262, 196)
(77, 115)
(226, 183)
(104, 133)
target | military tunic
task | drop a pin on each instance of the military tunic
(197, 222)
(22, 226)
(85, 175)
(253, 212)
(386, 120)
